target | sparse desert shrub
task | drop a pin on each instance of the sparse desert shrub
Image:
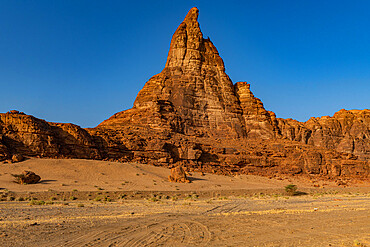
(153, 199)
(80, 205)
(358, 243)
(73, 198)
(98, 198)
(187, 197)
(123, 196)
(36, 202)
(291, 189)
(11, 198)
(102, 199)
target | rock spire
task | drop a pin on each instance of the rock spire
(191, 115)
(195, 84)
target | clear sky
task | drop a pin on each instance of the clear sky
(82, 61)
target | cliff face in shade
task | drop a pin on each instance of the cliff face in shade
(192, 114)
(31, 136)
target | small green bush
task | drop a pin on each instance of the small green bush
(291, 189)
(35, 202)
(11, 198)
(153, 199)
(102, 199)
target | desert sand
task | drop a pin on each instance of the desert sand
(101, 203)
(88, 175)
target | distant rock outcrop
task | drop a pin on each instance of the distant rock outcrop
(346, 132)
(191, 114)
(30, 136)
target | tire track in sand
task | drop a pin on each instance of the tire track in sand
(173, 232)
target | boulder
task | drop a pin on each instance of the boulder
(17, 158)
(27, 177)
(178, 175)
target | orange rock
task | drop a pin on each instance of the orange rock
(27, 177)
(178, 175)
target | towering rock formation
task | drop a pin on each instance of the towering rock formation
(192, 95)
(191, 113)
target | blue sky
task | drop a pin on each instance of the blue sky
(83, 61)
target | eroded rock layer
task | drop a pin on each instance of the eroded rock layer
(30, 136)
(192, 114)
(346, 131)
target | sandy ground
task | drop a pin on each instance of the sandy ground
(92, 175)
(300, 221)
(96, 203)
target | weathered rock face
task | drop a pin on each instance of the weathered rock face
(192, 114)
(193, 90)
(27, 135)
(346, 131)
(4, 154)
(259, 122)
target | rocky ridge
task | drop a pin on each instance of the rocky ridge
(192, 114)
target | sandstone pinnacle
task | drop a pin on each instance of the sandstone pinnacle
(194, 84)
(192, 115)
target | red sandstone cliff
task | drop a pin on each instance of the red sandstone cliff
(346, 131)
(191, 113)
